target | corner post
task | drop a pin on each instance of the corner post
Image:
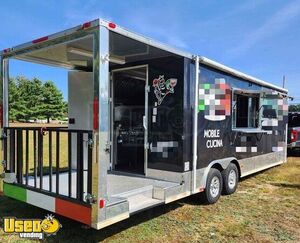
(101, 130)
(5, 92)
(195, 126)
(4, 77)
(103, 117)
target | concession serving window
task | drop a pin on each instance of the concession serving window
(246, 109)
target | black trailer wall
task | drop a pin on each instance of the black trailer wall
(171, 121)
(216, 137)
(170, 111)
(166, 114)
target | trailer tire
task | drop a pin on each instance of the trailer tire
(230, 179)
(213, 189)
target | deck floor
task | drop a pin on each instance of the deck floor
(117, 183)
(63, 183)
(122, 183)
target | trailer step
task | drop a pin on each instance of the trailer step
(169, 193)
(142, 193)
(141, 202)
(140, 199)
(145, 190)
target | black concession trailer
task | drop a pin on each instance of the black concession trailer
(148, 125)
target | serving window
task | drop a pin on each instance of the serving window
(245, 110)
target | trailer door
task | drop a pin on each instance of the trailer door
(129, 119)
(146, 122)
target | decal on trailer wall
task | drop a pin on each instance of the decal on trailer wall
(275, 109)
(154, 113)
(164, 148)
(163, 87)
(247, 145)
(215, 100)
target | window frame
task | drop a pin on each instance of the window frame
(248, 93)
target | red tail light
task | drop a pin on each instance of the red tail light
(96, 113)
(294, 136)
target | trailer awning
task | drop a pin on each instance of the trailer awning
(77, 54)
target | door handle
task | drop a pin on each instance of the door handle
(145, 122)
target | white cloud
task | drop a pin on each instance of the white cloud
(271, 26)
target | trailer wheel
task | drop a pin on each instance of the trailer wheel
(213, 188)
(230, 179)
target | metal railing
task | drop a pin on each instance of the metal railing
(50, 160)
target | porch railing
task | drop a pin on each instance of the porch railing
(50, 160)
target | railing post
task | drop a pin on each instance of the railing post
(70, 164)
(34, 158)
(3, 69)
(50, 161)
(19, 173)
(79, 191)
(5, 147)
(40, 157)
(57, 162)
(12, 154)
(89, 164)
(27, 155)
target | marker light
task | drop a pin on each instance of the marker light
(7, 50)
(294, 136)
(40, 40)
(101, 203)
(86, 25)
(96, 113)
(112, 25)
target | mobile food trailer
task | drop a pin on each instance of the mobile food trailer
(148, 125)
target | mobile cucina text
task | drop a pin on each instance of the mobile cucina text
(213, 136)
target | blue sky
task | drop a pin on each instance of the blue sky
(260, 38)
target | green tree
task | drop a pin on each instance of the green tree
(53, 105)
(294, 107)
(17, 104)
(34, 99)
(31, 100)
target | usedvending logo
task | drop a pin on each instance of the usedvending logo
(163, 87)
(32, 228)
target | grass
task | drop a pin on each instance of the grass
(266, 208)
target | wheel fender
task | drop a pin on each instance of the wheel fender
(222, 162)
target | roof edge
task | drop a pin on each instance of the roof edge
(239, 74)
(154, 43)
